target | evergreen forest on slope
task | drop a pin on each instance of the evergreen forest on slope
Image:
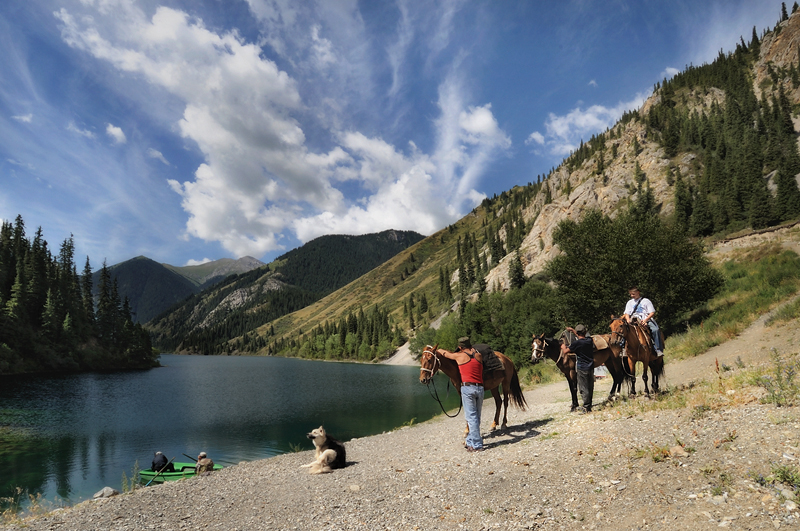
(296, 279)
(49, 321)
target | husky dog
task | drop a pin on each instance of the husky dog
(329, 453)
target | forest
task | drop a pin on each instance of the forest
(49, 320)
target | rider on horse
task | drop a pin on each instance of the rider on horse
(642, 310)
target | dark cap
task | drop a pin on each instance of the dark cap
(580, 329)
(464, 342)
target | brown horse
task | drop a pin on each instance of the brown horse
(548, 347)
(638, 347)
(432, 361)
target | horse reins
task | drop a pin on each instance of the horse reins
(625, 325)
(435, 393)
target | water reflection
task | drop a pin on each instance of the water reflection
(67, 437)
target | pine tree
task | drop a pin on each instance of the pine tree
(516, 273)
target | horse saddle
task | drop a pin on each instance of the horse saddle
(490, 360)
(568, 337)
(645, 337)
(600, 342)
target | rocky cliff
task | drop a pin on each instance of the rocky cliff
(575, 190)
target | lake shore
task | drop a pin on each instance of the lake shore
(550, 469)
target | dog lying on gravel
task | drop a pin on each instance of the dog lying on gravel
(329, 453)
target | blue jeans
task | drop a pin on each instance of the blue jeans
(472, 398)
(656, 335)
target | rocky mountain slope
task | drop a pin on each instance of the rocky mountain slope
(575, 191)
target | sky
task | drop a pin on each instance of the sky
(193, 130)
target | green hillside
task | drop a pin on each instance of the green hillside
(294, 280)
(149, 286)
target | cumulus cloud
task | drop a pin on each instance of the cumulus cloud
(565, 132)
(259, 178)
(27, 118)
(155, 154)
(592, 83)
(116, 134)
(83, 132)
(536, 137)
(668, 73)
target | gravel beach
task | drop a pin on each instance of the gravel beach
(551, 470)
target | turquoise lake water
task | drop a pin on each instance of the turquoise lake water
(67, 437)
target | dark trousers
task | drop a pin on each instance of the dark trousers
(586, 387)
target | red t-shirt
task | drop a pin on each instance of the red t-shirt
(471, 371)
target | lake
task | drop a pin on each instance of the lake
(67, 437)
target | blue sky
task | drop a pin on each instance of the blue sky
(189, 130)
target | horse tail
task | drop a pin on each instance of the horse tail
(657, 367)
(517, 397)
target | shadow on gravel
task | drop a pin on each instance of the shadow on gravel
(515, 434)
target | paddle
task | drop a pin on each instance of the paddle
(159, 472)
(190, 457)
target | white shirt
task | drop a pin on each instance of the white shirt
(644, 309)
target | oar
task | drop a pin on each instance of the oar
(159, 472)
(190, 457)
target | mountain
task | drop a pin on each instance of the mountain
(152, 287)
(713, 151)
(292, 281)
(209, 273)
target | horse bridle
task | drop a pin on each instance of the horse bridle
(435, 393)
(620, 337)
(538, 353)
(436, 361)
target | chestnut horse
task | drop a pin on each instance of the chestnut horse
(638, 347)
(548, 347)
(431, 361)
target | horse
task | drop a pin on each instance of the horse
(549, 347)
(638, 347)
(432, 361)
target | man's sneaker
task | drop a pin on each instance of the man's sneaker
(660, 352)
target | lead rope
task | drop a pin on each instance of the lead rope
(435, 393)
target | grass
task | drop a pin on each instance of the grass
(129, 485)
(781, 382)
(756, 280)
(22, 505)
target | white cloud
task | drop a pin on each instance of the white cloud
(259, 178)
(668, 73)
(564, 133)
(25, 165)
(198, 262)
(322, 48)
(592, 83)
(116, 134)
(155, 154)
(83, 132)
(537, 137)
(27, 118)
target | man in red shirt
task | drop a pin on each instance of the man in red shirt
(470, 366)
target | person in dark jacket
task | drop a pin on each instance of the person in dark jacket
(160, 461)
(583, 348)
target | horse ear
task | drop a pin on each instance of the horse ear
(435, 348)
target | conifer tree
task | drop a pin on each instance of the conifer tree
(516, 273)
